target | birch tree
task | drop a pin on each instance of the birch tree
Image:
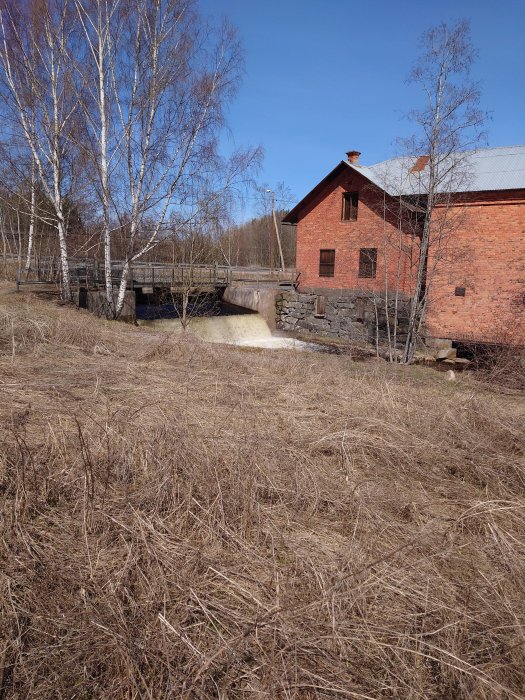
(155, 83)
(101, 25)
(449, 125)
(32, 218)
(35, 46)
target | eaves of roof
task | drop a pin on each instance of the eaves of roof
(485, 170)
(291, 217)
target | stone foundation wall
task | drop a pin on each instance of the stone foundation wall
(348, 314)
(95, 301)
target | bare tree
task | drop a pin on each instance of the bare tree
(32, 217)
(255, 241)
(101, 24)
(155, 81)
(449, 124)
(196, 247)
(37, 78)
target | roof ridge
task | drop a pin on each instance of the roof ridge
(474, 150)
(395, 177)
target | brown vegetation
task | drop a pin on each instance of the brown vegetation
(182, 520)
(502, 363)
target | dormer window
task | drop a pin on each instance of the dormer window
(350, 201)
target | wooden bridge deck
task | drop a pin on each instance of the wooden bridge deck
(150, 276)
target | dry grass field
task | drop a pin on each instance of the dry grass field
(183, 520)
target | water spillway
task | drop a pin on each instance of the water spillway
(246, 317)
(249, 330)
(255, 299)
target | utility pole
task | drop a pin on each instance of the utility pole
(271, 242)
(277, 235)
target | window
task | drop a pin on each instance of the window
(367, 262)
(350, 200)
(459, 291)
(326, 263)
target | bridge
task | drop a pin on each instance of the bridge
(249, 287)
(148, 276)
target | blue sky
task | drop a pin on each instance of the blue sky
(326, 76)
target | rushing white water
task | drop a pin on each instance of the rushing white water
(249, 330)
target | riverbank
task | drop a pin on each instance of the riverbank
(183, 519)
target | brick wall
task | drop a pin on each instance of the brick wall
(321, 227)
(485, 255)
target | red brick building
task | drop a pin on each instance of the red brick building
(358, 230)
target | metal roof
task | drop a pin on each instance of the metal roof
(486, 169)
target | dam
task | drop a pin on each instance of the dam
(225, 304)
(236, 327)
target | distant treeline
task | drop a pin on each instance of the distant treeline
(252, 243)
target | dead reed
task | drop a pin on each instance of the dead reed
(182, 520)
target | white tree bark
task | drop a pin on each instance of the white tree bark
(96, 21)
(169, 122)
(32, 218)
(38, 73)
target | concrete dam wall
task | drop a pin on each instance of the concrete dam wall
(260, 300)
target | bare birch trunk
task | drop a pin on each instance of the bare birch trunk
(103, 31)
(104, 180)
(450, 122)
(64, 260)
(19, 237)
(35, 68)
(122, 288)
(32, 217)
(4, 243)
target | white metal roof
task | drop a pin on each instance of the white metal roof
(485, 169)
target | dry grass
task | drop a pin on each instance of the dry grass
(8, 269)
(182, 520)
(502, 366)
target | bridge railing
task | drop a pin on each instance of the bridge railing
(90, 273)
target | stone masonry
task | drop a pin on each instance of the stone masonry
(345, 314)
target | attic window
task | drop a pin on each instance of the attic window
(350, 201)
(367, 262)
(326, 263)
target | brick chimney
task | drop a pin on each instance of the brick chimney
(353, 157)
